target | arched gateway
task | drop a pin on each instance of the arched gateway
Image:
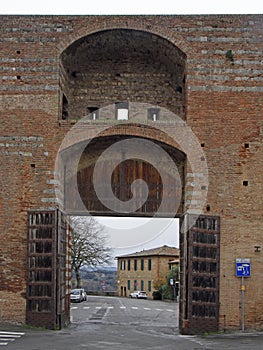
(132, 116)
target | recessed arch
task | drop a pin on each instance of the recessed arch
(121, 65)
(123, 170)
(141, 23)
(79, 160)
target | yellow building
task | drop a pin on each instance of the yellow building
(145, 270)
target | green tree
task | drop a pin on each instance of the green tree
(174, 275)
(164, 287)
(88, 244)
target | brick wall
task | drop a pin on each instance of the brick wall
(222, 103)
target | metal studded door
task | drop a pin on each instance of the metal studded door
(47, 299)
(199, 279)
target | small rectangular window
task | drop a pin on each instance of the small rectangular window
(149, 286)
(122, 110)
(123, 265)
(122, 114)
(129, 265)
(142, 285)
(142, 264)
(64, 107)
(153, 114)
(128, 284)
(149, 264)
(135, 265)
(93, 113)
(135, 285)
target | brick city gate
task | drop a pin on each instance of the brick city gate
(199, 246)
(207, 72)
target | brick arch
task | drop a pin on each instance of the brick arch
(80, 158)
(175, 135)
(143, 131)
(79, 135)
(139, 131)
(123, 22)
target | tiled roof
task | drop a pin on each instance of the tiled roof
(164, 250)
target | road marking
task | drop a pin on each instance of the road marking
(7, 337)
(123, 307)
(12, 333)
(10, 336)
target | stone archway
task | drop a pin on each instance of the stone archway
(111, 71)
(77, 160)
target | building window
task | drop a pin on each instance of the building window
(142, 264)
(153, 114)
(149, 264)
(135, 285)
(142, 285)
(128, 284)
(129, 265)
(93, 113)
(123, 265)
(64, 107)
(149, 286)
(135, 265)
(122, 110)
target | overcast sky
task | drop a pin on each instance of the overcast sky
(109, 7)
(128, 235)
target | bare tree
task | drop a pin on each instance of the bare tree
(88, 244)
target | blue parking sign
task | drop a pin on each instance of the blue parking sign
(242, 267)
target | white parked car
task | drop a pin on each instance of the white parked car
(78, 295)
(140, 294)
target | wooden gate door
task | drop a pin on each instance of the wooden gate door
(47, 283)
(199, 274)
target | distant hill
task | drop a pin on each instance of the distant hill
(98, 268)
(97, 279)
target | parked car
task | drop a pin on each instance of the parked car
(140, 294)
(78, 295)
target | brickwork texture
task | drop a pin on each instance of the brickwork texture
(205, 69)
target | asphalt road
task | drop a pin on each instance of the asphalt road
(110, 323)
